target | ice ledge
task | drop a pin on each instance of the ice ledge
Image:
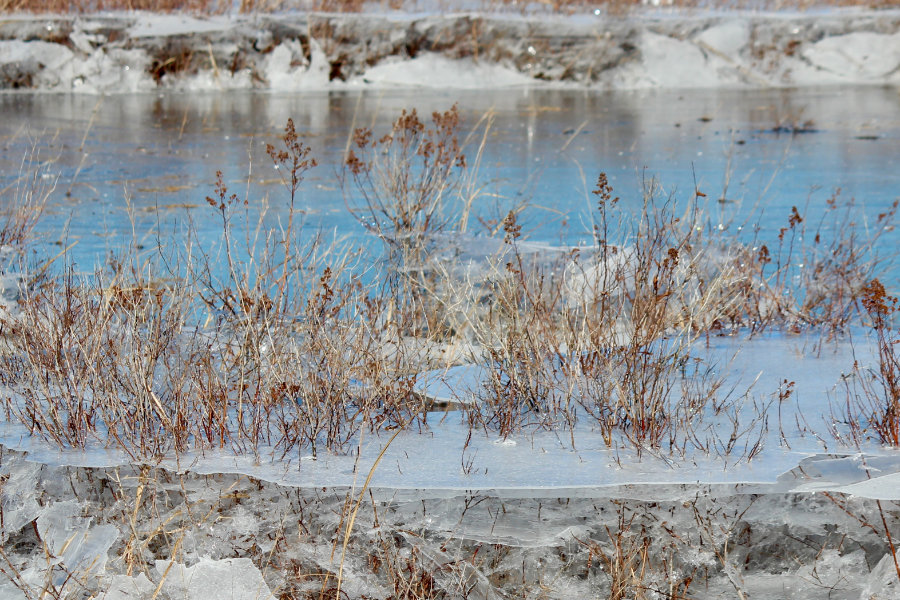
(143, 52)
(138, 532)
(874, 476)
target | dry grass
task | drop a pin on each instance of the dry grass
(25, 199)
(276, 341)
(405, 185)
(79, 7)
(613, 7)
(871, 408)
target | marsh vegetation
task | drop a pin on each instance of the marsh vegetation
(286, 344)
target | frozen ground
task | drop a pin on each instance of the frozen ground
(294, 52)
(142, 532)
(484, 517)
(443, 459)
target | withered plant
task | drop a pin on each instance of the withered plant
(272, 338)
(872, 407)
(267, 340)
(814, 276)
(605, 333)
(636, 565)
(24, 200)
(520, 332)
(404, 185)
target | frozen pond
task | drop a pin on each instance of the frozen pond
(161, 152)
(762, 500)
(146, 163)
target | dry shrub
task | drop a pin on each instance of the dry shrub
(605, 333)
(405, 179)
(881, 308)
(406, 183)
(872, 407)
(520, 333)
(814, 277)
(24, 200)
(88, 360)
(265, 341)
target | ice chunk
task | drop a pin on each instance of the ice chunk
(8, 591)
(72, 541)
(287, 69)
(727, 38)
(453, 386)
(883, 582)
(41, 54)
(123, 587)
(886, 487)
(10, 287)
(858, 56)
(160, 25)
(18, 494)
(610, 275)
(233, 578)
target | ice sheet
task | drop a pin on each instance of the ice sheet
(797, 452)
(159, 25)
(769, 544)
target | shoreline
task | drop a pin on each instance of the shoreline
(123, 53)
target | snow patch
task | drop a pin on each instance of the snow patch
(671, 63)
(860, 56)
(71, 539)
(434, 70)
(287, 69)
(156, 25)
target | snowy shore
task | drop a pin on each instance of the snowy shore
(123, 53)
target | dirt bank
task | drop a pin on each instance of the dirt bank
(141, 52)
